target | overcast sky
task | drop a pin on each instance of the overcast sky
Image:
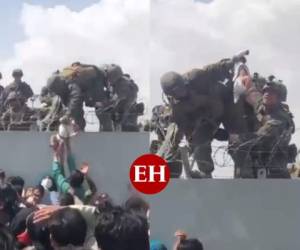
(42, 36)
(186, 34)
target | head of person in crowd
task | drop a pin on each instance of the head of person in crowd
(9, 203)
(17, 74)
(38, 233)
(137, 204)
(76, 178)
(102, 202)
(34, 195)
(67, 227)
(7, 240)
(120, 229)
(183, 243)
(17, 183)
(190, 244)
(66, 199)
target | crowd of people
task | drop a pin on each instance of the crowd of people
(223, 101)
(111, 92)
(66, 211)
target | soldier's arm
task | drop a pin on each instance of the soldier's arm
(28, 91)
(5, 120)
(76, 100)
(218, 71)
(273, 132)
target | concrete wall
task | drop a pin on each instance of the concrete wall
(109, 154)
(229, 215)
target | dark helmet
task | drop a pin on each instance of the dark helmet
(17, 72)
(278, 87)
(113, 72)
(55, 83)
(171, 80)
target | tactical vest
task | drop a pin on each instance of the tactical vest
(83, 75)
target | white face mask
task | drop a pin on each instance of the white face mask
(238, 90)
(47, 183)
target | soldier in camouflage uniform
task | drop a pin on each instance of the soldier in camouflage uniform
(131, 123)
(18, 116)
(76, 85)
(268, 148)
(115, 114)
(159, 122)
(198, 101)
(21, 89)
(51, 111)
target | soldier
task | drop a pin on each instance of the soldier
(198, 101)
(51, 111)
(76, 85)
(17, 116)
(124, 91)
(159, 123)
(131, 124)
(21, 89)
(268, 148)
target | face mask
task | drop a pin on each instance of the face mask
(47, 183)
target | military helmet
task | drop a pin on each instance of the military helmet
(113, 72)
(278, 87)
(17, 72)
(171, 80)
(54, 83)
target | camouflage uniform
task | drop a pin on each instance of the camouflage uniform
(18, 116)
(117, 111)
(51, 112)
(198, 114)
(269, 146)
(84, 84)
(21, 89)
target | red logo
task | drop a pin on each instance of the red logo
(149, 174)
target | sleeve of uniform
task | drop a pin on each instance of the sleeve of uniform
(28, 91)
(3, 98)
(76, 99)
(218, 71)
(272, 132)
(59, 178)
